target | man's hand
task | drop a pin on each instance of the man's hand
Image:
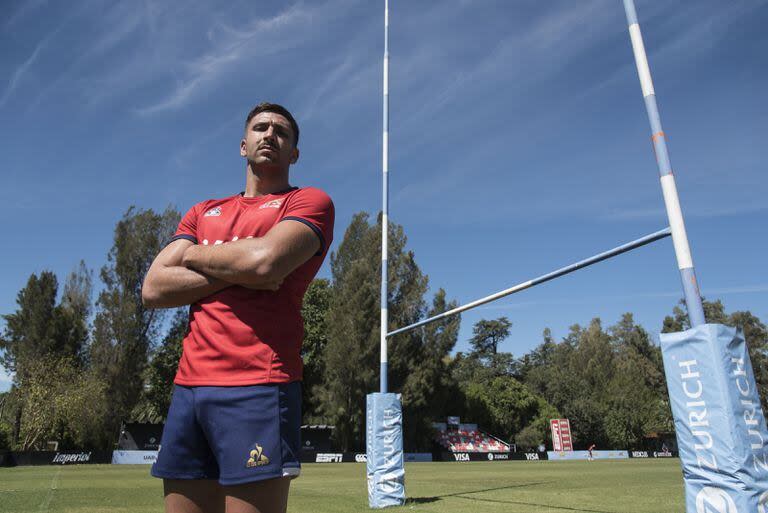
(169, 284)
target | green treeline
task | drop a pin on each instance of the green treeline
(81, 367)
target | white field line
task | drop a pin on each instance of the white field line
(47, 501)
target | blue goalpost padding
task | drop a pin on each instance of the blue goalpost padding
(384, 448)
(720, 426)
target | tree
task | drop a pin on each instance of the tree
(429, 390)
(352, 350)
(756, 336)
(123, 330)
(29, 332)
(488, 334)
(161, 372)
(503, 405)
(59, 402)
(73, 313)
(314, 311)
(350, 353)
(714, 312)
(40, 330)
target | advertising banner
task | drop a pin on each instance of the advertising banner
(384, 448)
(58, 457)
(355, 457)
(561, 435)
(652, 454)
(134, 457)
(720, 426)
(418, 457)
(584, 455)
(490, 456)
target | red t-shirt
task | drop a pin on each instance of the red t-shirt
(240, 336)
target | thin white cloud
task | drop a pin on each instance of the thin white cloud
(18, 75)
(693, 36)
(231, 46)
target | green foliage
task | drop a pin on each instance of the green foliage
(123, 329)
(429, 390)
(494, 396)
(161, 371)
(58, 401)
(314, 311)
(41, 331)
(352, 349)
(610, 384)
(75, 386)
(29, 333)
(486, 335)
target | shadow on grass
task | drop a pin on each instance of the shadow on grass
(425, 500)
(549, 506)
(463, 495)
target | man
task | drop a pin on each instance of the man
(232, 438)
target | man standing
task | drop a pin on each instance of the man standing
(232, 437)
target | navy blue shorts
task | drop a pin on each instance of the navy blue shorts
(233, 434)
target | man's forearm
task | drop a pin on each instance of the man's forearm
(244, 262)
(174, 286)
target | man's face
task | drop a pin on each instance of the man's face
(269, 141)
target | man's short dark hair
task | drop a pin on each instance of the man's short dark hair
(277, 109)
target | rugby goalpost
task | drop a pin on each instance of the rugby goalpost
(711, 355)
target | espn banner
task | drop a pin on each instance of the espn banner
(384, 449)
(721, 431)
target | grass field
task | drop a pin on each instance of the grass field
(627, 486)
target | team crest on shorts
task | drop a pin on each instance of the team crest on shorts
(257, 457)
(216, 211)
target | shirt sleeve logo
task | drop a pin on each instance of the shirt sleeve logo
(213, 212)
(257, 457)
(275, 203)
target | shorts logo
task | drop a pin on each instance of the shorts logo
(258, 458)
(272, 204)
(213, 212)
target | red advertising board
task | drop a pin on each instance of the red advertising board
(561, 435)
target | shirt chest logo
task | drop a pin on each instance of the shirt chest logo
(216, 211)
(275, 203)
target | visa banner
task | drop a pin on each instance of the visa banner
(720, 425)
(384, 445)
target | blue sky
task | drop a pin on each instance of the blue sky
(519, 139)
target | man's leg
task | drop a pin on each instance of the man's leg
(269, 496)
(193, 496)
